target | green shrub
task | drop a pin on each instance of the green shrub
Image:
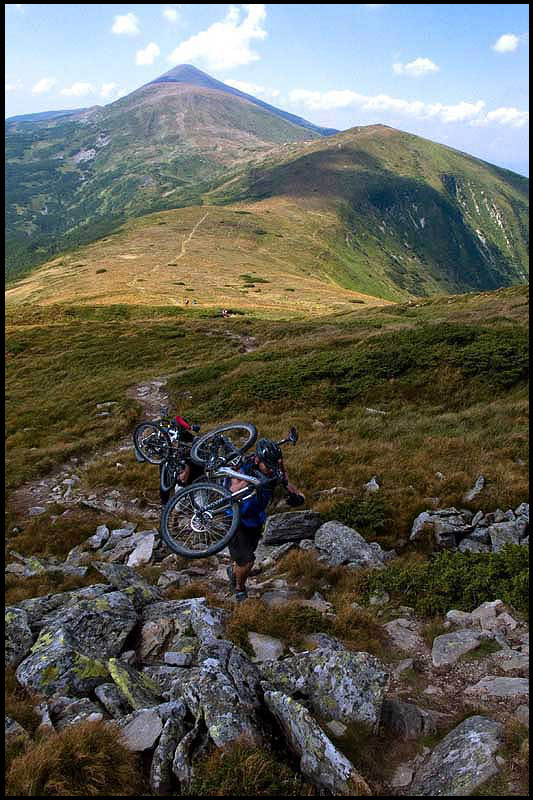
(458, 580)
(370, 516)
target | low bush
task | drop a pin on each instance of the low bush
(370, 516)
(458, 580)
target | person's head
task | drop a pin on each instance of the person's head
(267, 455)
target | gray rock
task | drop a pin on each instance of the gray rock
(205, 622)
(112, 700)
(407, 721)
(402, 776)
(57, 663)
(140, 730)
(462, 762)
(448, 648)
(99, 538)
(124, 578)
(476, 490)
(320, 761)
(178, 659)
(496, 688)
(477, 519)
(470, 545)
(338, 544)
(460, 618)
(337, 728)
(485, 614)
(522, 510)
(372, 486)
(405, 635)
(291, 526)
(511, 661)
(503, 533)
(18, 636)
(338, 684)
(76, 711)
(266, 648)
(143, 551)
(161, 767)
(447, 526)
(323, 641)
(153, 637)
(135, 687)
(164, 677)
(40, 610)
(35, 511)
(307, 544)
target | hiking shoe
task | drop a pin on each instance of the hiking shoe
(231, 578)
(240, 596)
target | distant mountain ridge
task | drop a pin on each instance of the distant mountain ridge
(43, 116)
(191, 76)
(375, 210)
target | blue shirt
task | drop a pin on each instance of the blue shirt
(253, 510)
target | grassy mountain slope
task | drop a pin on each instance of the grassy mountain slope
(372, 211)
(70, 179)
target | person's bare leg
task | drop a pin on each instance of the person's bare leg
(241, 575)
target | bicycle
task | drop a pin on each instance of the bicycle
(157, 440)
(200, 520)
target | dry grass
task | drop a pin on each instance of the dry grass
(290, 622)
(86, 760)
(18, 589)
(19, 702)
(306, 573)
(242, 771)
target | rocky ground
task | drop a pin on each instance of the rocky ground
(169, 675)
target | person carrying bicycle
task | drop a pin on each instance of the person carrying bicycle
(267, 462)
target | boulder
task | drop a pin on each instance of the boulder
(448, 648)
(407, 721)
(205, 622)
(476, 490)
(135, 687)
(124, 578)
(503, 533)
(496, 688)
(161, 767)
(338, 684)
(40, 610)
(462, 762)
(338, 544)
(74, 711)
(460, 618)
(143, 551)
(101, 536)
(470, 545)
(320, 761)
(405, 635)
(140, 730)
(266, 648)
(18, 636)
(290, 526)
(57, 663)
(112, 700)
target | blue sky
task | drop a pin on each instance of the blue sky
(457, 73)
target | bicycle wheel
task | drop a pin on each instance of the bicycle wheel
(168, 477)
(200, 520)
(241, 435)
(152, 442)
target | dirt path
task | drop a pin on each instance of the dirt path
(63, 484)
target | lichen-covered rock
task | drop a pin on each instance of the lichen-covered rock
(320, 761)
(470, 545)
(99, 625)
(462, 762)
(448, 648)
(40, 610)
(56, 664)
(135, 687)
(290, 526)
(266, 648)
(143, 550)
(72, 711)
(190, 615)
(124, 578)
(18, 636)
(503, 533)
(154, 634)
(337, 544)
(338, 684)
(161, 767)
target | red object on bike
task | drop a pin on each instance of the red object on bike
(183, 423)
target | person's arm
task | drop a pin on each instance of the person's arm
(291, 488)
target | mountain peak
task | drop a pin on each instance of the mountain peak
(187, 73)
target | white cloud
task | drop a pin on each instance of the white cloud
(78, 89)
(13, 86)
(126, 24)
(171, 13)
(148, 55)
(508, 116)
(506, 43)
(44, 85)
(108, 90)
(472, 113)
(253, 88)
(416, 68)
(225, 44)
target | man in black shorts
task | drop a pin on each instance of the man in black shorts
(267, 458)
